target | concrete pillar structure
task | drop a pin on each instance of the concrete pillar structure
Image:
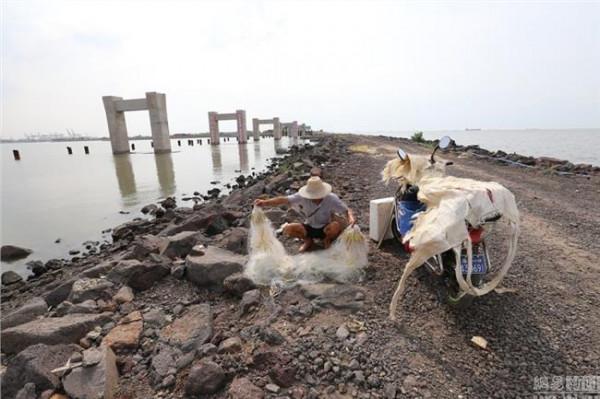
(154, 103)
(291, 129)
(240, 116)
(159, 124)
(117, 128)
(255, 129)
(213, 125)
(276, 127)
(294, 129)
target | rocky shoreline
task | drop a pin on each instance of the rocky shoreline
(164, 311)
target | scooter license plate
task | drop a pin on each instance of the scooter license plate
(479, 264)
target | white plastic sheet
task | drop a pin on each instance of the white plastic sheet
(269, 262)
(451, 203)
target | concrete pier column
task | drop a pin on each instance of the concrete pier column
(276, 129)
(240, 116)
(213, 127)
(117, 128)
(159, 124)
(255, 129)
(294, 129)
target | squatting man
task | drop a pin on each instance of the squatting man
(325, 214)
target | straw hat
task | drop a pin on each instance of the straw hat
(315, 188)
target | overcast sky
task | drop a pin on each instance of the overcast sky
(341, 66)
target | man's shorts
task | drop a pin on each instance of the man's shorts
(312, 232)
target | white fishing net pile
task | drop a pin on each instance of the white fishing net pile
(269, 262)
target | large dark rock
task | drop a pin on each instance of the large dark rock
(98, 270)
(180, 244)
(217, 224)
(250, 299)
(130, 229)
(236, 240)
(213, 267)
(192, 329)
(11, 277)
(90, 288)
(51, 331)
(147, 244)
(99, 379)
(205, 377)
(12, 252)
(150, 208)
(35, 364)
(194, 223)
(31, 310)
(59, 293)
(137, 275)
(237, 284)
(37, 267)
(169, 203)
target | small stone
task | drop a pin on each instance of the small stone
(91, 356)
(342, 332)
(185, 360)
(361, 338)
(230, 345)
(251, 298)
(178, 309)
(204, 378)
(155, 317)
(124, 295)
(178, 271)
(11, 277)
(409, 382)
(208, 349)
(169, 381)
(272, 388)
(359, 376)
(389, 390)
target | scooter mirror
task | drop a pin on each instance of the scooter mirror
(401, 154)
(445, 142)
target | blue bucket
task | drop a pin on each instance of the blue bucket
(405, 210)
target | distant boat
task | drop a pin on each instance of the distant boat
(473, 130)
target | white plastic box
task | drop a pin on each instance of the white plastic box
(379, 215)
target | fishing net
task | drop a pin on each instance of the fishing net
(269, 262)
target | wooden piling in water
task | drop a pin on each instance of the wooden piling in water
(16, 155)
(69, 151)
(86, 149)
(133, 146)
(152, 144)
(179, 143)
